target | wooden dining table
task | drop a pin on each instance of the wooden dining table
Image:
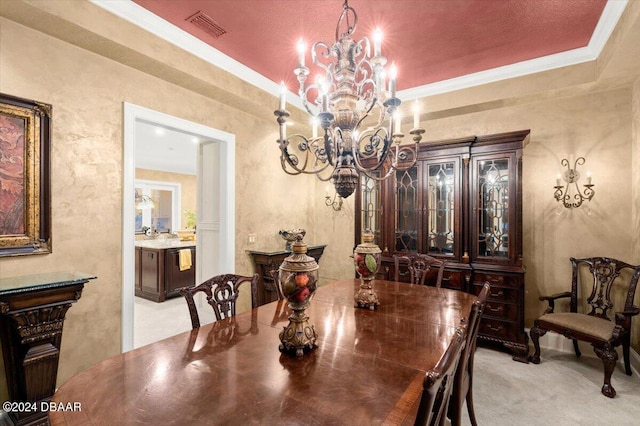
(368, 366)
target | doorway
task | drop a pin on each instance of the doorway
(216, 250)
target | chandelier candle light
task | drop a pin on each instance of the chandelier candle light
(348, 88)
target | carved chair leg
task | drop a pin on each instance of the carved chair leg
(626, 343)
(535, 333)
(609, 359)
(576, 348)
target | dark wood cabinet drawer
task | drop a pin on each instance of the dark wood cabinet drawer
(501, 310)
(498, 280)
(498, 329)
(501, 294)
(453, 279)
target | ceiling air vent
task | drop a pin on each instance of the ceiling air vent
(207, 24)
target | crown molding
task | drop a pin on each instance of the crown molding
(137, 15)
(608, 21)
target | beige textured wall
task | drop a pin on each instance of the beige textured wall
(596, 126)
(635, 199)
(87, 92)
(635, 158)
(567, 116)
(188, 185)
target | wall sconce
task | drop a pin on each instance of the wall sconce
(335, 203)
(573, 197)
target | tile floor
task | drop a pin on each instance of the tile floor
(156, 321)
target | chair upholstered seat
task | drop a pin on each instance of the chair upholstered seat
(588, 324)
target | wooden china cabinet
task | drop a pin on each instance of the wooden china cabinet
(461, 202)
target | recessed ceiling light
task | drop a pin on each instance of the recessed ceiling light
(195, 140)
(159, 131)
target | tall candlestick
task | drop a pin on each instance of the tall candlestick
(301, 48)
(377, 41)
(283, 94)
(393, 73)
(416, 115)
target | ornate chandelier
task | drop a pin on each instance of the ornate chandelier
(357, 113)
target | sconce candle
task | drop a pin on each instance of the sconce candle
(416, 115)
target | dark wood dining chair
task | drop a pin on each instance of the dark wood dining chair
(275, 276)
(607, 276)
(438, 383)
(420, 266)
(463, 385)
(222, 292)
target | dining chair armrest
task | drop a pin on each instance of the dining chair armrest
(623, 318)
(552, 299)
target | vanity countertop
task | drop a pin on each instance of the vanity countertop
(164, 243)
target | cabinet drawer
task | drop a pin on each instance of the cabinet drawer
(453, 280)
(499, 329)
(499, 294)
(501, 310)
(498, 280)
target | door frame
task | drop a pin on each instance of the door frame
(132, 115)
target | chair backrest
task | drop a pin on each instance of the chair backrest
(275, 276)
(605, 272)
(465, 367)
(419, 267)
(438, 383)
(222, 293)
(474, 321)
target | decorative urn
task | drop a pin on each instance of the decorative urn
(298, 280)
(366, 257)
(290, 236)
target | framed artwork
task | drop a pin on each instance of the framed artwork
(25, 192)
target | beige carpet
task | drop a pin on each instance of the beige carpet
(561, 390)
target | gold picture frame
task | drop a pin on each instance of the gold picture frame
(25, 191)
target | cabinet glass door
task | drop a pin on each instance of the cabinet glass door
(406, 210)
(440, 232)
(493, 207)
(371, 207)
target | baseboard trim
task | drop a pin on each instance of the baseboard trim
(560, 343)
